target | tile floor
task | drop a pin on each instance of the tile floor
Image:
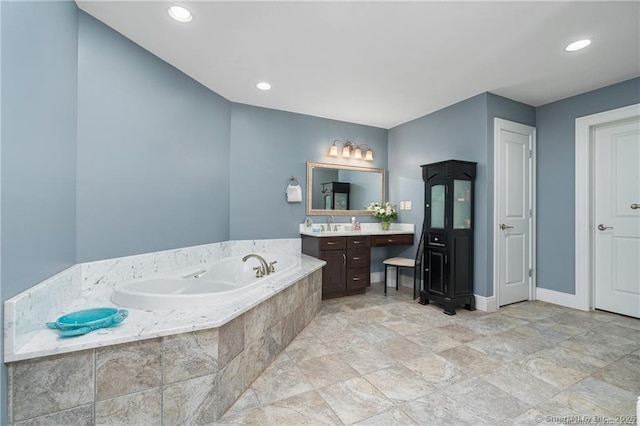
(371, 360)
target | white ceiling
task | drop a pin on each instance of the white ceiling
(387, 62)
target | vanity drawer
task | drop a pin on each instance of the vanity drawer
(358, 258)
(392, 240)
(333, 243)
(359, 241)
(357, 278)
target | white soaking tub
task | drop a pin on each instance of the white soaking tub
(202, 285)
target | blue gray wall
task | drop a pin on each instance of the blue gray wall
(268, 147)
(153, 151)
(38, 133)
(39, 58)
(463, 131)
(556, 178)
(456, 132)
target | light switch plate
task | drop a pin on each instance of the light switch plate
(407, 205)
(401, 205)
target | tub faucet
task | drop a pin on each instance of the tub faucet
(261, 270)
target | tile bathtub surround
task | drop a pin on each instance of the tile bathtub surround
(189, 378)
(89, 285)
(528, 359)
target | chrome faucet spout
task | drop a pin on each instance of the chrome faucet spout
(263, 269)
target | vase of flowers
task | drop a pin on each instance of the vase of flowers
(385, 212)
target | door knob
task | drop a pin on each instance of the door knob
(505, 227)
(635, 206)
(604, 228)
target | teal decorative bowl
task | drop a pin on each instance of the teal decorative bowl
(82, 322)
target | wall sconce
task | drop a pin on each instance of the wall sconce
(349, 149)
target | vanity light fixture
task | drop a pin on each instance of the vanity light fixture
(349, 149)
(577, 45)
(180, 13)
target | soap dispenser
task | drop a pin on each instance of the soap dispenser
(354, 224)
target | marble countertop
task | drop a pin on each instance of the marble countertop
(366, 229)
(146, 324)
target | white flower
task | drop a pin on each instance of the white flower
(385, 211)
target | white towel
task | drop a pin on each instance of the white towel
(294, 193)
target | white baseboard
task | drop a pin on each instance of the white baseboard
(557, 298)
(377, 277)
(486, 304)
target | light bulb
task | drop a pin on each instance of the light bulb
(180, 14)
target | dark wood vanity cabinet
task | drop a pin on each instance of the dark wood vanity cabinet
(348, 260)
(448, 234)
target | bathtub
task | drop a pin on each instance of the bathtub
(200, 285)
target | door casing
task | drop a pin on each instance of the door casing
(499, 123)
(584, 201)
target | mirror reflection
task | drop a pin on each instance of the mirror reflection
(340, 189)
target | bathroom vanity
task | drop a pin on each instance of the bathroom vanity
(348, 255)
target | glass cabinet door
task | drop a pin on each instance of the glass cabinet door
(437, 206)
(461, 204)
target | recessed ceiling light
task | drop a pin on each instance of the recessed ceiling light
(180, 14)
(577, 45)
(263, 85)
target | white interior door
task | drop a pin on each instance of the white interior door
(617, 217)
(514, 157)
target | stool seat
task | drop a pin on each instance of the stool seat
(398, 262)
(402, 262)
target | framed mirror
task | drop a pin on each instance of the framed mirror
(342, 189)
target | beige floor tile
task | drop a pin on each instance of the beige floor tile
(401, 349)
(305, 348)
(436, 369)
(611, 399)
(247, 401)
(440, 409)
(280, 380)
(355, 400)
(494, 323)
(469, 360)
(624, 373)
(393, 417)
(305, 409)
(531, 311)
(398, 383)
(517, 382)
(367, 358)
(560, 366)
(605, 347)
(251, 417)
(501, 348)
(434, 340)
(402, 327)
(486, 400)
(327, 370)
(364, 358)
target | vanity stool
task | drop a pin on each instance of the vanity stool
(398, 262)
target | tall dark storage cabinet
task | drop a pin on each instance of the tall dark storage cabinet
(448, 228)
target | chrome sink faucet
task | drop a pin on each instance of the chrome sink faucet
(330, 221)
(263, 269)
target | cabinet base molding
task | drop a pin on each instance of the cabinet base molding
(486, 304)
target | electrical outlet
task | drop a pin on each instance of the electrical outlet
(407, 205)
